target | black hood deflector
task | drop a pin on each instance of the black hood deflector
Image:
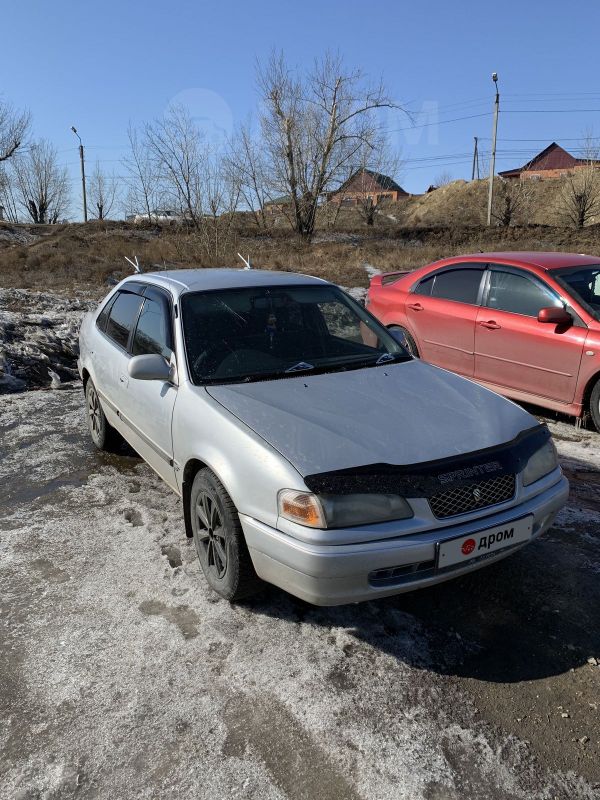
(429, 478)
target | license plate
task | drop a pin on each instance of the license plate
(474, 546)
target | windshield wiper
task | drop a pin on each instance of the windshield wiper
(301, 366)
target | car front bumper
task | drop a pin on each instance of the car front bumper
(330, 575)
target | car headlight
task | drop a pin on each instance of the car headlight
(540, 463)
(338, 511)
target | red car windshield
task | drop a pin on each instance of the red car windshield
(582, 284)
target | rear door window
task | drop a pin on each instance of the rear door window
(122, 318)
(460, 285)
(518, 294)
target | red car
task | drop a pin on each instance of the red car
(526, 325)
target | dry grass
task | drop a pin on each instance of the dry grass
(82, 257)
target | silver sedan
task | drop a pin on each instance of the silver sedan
(309, 448)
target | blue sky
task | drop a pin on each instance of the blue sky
(100, 65)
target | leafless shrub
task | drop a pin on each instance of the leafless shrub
(443, 179)
(579, 201)
(512, 200)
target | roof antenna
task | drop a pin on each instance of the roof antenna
(247, 264)
(135, 264)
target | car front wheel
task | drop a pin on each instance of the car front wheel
(595, 405)
(219, 539)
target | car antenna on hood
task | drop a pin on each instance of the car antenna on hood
(247, 264)
(135, 264)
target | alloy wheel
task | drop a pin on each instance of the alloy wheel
(94, 413)
(211, 534)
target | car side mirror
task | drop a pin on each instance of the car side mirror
(150, 367)
(555, 316)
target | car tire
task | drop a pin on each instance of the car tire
(410, 343)
(595, 405)
(104, 436)
(219, 539)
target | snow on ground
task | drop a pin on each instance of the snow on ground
(124, 676)
(38, 332)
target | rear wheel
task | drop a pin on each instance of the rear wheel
(595, 405)
(219, 539)
(409, 342)
(104, 436)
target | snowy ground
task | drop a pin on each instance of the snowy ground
(122, 676)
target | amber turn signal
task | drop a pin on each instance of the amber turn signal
(301, 507)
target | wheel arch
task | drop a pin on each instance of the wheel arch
(191, 469)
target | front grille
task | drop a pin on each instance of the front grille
(463, 499)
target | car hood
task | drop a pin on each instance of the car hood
(400, 414)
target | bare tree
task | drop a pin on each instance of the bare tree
(174, 144)
(42, 186)
(220, 194)
(512, 200)
(14, 128)
(102, 192)
(8, 199)
(246, 167)
(313, 128)
(193, 178)
(142, 182)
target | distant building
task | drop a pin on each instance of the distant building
(367, 185)
(553, 162)
(278, 205)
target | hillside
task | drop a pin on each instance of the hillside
(414, 231)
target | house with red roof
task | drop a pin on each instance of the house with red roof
(553, 162)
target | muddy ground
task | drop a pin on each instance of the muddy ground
(122, 676)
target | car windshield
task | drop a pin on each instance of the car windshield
(582, 284)
(236, 335)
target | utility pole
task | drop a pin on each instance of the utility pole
(82, 160)
(493, 158)
(475, 161)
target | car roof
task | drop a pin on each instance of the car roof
(542, 260)
(179, 281)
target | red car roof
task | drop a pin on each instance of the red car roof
(540, 259)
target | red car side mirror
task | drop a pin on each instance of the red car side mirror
(555, 316)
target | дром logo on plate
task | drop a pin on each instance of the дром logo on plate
(468, 546)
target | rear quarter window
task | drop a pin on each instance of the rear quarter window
(122, 317)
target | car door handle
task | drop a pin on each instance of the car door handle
(415, 306)
(490, 324)
(123, 378)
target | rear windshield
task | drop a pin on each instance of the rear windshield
(238, 335)
(582, 284)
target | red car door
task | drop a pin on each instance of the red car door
(441, 312)
(515, 351)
